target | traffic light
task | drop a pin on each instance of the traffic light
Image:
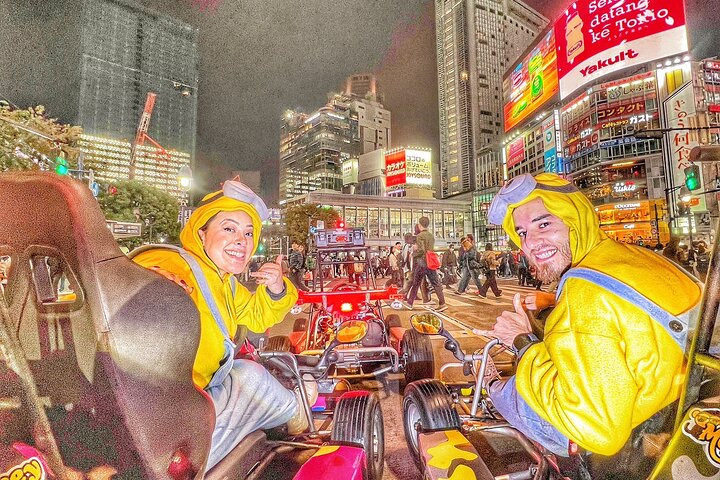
(340, 223)
(112, 189)
(692, 177)
(61, 166)
(261, 248)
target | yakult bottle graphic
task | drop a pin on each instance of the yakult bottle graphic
(574, 38)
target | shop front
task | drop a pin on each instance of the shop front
(637, 222)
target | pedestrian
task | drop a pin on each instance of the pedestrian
(396, 273)
(424, 243)
(296, 261)
(449, 266)
(490, 259)
(469, 265)
(613, 349)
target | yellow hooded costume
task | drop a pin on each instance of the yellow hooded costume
(604, 365)
(241, 311)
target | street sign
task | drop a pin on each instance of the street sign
(124, 229)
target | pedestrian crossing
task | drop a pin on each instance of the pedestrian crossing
(509, 289)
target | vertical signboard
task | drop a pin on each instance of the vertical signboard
(516, 151)
(598, 37)
(395, 171)
(532, 82)
(550, 145)
(679, 110)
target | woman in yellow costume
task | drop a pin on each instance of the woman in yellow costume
(218, 242)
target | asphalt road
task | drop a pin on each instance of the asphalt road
(464, 312)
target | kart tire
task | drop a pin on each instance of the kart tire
(420, 360)
(427, 406)
(278, 343)
(300, 324)
(358, 421)
(392, 320)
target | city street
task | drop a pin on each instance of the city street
(464, 313)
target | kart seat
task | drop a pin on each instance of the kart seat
(114, 356)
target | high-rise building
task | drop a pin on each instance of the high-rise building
(476, 41)
(363, 85)
(373, 123)
(97, 71)
(314, 146)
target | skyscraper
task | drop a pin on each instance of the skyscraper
(363, 85)
(96, 71)
(476, 41)
(314, 146)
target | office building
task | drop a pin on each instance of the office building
(98, 69)
(363, 85)
(477, 40)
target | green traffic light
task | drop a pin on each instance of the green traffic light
(61, 166)
(692, 177)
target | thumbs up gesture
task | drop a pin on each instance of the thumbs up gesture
(509, 324)
(270, 274)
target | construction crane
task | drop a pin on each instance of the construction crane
(142, 135)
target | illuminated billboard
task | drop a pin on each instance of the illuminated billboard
(418, 167)
(531, 83)
(598, 37)
(515, 151)
(395, 171)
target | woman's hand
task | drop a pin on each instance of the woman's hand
(270, 275)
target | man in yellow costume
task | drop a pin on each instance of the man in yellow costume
(218, 242)
(613, 347)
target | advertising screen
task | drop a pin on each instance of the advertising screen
(597, 37)
(531, 83)
(418, 167)
(395, 169)
(516, 151)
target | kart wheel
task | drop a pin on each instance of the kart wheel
(420, 360)
(358, 420)
(427, 405)
(300, 324)
(392, 320)
(278, 343)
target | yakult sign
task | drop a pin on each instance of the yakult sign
(597, 37)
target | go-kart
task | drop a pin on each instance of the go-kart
(453, 431)
(387, 347)
(458, 420)
(96, 358)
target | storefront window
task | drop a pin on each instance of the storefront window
(438, 224)
(384, 224)
(459, 224)
(362, 217)
(395, 230)
(373, 222)
(407, 225)
(351, 217)
(448, 231)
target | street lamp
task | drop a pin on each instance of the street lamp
(185, 177)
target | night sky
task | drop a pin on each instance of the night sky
(258, 58)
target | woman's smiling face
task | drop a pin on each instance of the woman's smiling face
(229, 240)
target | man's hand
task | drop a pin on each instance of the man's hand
(509, 324)
(270, 274)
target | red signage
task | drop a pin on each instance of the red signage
(395, 169)
(516, 152)
(598, 37)
(620, 111)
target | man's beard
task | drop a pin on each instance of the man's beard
(552, 271)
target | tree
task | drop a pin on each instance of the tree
(297, 223)
(30, 140)
(134, 201)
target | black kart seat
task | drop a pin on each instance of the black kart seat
(114, 357)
